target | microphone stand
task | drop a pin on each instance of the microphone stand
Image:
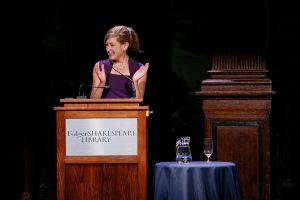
(85, 97)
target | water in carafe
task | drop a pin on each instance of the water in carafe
(183, 150)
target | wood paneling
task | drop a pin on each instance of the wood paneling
(102, 182)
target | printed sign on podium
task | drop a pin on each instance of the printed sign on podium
(101, 136)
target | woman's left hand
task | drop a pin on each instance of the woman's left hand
(140, 72)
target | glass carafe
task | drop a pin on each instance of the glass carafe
(183, 150)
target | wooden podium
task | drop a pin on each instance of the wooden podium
(101, 149)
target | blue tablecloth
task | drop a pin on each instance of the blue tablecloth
(198, 180)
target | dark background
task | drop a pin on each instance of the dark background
(51, 46)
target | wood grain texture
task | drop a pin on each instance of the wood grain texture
(102, 182)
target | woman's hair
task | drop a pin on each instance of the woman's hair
(124, 34)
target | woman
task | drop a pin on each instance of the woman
(119, 76)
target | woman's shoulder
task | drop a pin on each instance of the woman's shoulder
(105, 62)
(134, 63)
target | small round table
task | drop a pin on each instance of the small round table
(197, 180)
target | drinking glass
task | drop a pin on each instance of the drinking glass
(208, 147)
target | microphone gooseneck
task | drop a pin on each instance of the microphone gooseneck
(88, 85)
(112, 65)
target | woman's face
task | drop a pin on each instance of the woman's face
(115, 49)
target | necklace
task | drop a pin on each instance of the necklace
(122, 65)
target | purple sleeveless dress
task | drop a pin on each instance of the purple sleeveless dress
(119, 85)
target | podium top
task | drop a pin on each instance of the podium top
(95, 104)
(116, 100)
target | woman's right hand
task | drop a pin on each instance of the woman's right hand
(100, 72)
(99, 79)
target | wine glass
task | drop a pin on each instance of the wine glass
(208, 147)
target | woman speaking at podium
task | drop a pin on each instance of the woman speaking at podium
(119, 76)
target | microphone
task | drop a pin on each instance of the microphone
(112, 65)
(88, 85)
